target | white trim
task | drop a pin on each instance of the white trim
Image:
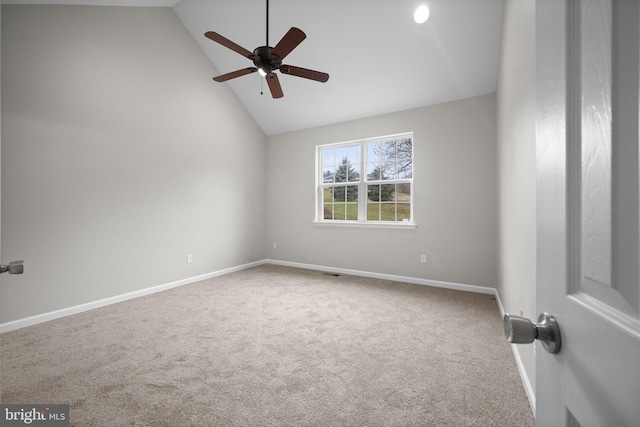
(367, 224)
(363, 181)
(52, 315)
(392, 277)
(531, 395)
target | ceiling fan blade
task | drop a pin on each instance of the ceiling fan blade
(274, 85)
(234, 74)
(228, 43)
(304, 72)
(289, 42)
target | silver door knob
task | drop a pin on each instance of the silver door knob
(15, 267)
(520, 330)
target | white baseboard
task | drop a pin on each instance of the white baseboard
(52, 315)
(392, 277)
(40, 318)
(526, 382)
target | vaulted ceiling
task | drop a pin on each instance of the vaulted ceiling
(378, 58)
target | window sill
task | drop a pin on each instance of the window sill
(356, 224)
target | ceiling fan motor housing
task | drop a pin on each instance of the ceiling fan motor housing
(265, 60)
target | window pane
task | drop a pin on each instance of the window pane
(405, 158)
(342, 193)
(405, 148)
(341, 171)
(394, 158)
(381, 193)
(328, 165)
(373, 152)
(373, 211)
(346, 172)
(371, 167)
(387, 211)
(389, 202)
(389, 159)
(353, 173)
(403, 212)
(403, 197)
(389, 150)
(352, 193)
(377, 173)
(389, 170)
(352, 211)
(328, 175)
(345, 211)
(328, 157)
(353, 154)
(387, 192)
(327, 195)
(405, 169)
(328, 211)
(403, 192)
(373, 193)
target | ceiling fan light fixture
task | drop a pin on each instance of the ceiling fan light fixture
(421, 14)
(262, 72)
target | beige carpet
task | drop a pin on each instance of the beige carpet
(275, 346)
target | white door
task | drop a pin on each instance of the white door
(588, 72)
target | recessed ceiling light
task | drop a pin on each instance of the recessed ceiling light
(421, 14)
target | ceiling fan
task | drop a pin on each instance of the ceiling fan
(267, 59)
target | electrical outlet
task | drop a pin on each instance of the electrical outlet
(189, 259)
(275, 246)
(423, 259)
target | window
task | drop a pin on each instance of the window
(368, 181)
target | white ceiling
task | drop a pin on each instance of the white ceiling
(379, 60)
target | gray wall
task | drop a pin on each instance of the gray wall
(516, 151)
(455, 197)
(120, 156)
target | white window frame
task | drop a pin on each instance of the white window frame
(362, 186)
